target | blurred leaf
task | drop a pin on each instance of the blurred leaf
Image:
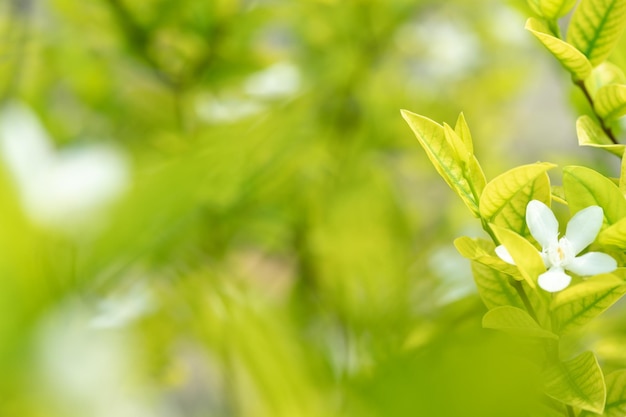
(604, 74)
(525, 255)
(591, 134)
(483, 251)
(551, 9)
(615, 397)
(585, 187)
(515, 321)
(505, 198)
(578, 382)
(444, 156)
(495, 287)
(610, 101)
(571, 58)
(596, 26)
(578, 304)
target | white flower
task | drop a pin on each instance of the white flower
(560, 255)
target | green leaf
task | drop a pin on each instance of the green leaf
(577, 305)
(615, 396)
(551, 9)
(614, 235)
(585, 187)
(462, 129)
(591, 134)
(578, 382)
(622, 176)
(525, 255)
(610, 101)
(596, 27)
(516, 321)
(443, 155)
(571, 58)
(504, 199)
(483, 251)
(604, 74)
(495, 287)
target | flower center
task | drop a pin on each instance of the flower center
(560, 254)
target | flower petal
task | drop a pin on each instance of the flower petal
(553, 280)
(583, 228)
(542, 224)
(504, 254)
(592, 263)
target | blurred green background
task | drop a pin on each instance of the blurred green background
(213, 208)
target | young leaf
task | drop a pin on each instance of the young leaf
(585, 187)
(578, 382)
(577, 305)
(483, 251)
(504, 199)
(525, 255)
(551, 9)
(596, 27)
(571, 58)
(516, 321)
(591, 134)
(604, 74)
(443, 156)
(494, 287)
(462, 129)
(610, 101)
(615, 396)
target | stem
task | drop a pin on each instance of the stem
(607, 130)
(570, 411)
(522, 294)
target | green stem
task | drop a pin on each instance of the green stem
(607, 130)
(570, 411)
(522, 294)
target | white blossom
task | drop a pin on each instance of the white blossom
(560, 255)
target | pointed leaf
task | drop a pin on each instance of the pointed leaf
(516, 321)
(551, 9)
(610, 101)
(591, 134)
(585, 187)
(494, 287)
(483, 252)
(443, 156)
(615, 396)
(525, 255)
(571, 58)
(462, 129)
(596, 26)
(614, 235)
(578, 382)
(577, 305)
(504, 199)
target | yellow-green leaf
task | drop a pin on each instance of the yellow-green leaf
(615, 396)
(591, 134)
(577, 305)
(604, 74)
(578, 382)
(622, 177)
(504, 199)
(571, 58)
(516, 321)
(614, 235)
(610, 101)
(525, 255)
(483, 251)
(585, 187)
(442, 155)
(495, 287)
(596, 26)
(462, 129)
(551, 9)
